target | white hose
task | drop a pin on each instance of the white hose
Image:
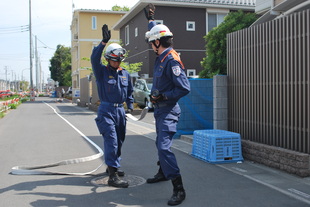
(34, 170)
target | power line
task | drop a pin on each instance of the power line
(17, 29)
(45, 44)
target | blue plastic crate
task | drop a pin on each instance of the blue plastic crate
(217, 146)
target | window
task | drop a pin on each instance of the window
(76, 52)
(191, 72)
(211, 21)
(190, 26)
(138, 84)
(94, 22)
(159, 21)
(214, 20)
(136, 32)
(127, 35)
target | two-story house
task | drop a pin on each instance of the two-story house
(189, 21)
(86, 33)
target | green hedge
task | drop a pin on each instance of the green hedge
(215, 61)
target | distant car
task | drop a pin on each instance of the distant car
(5, 93)
(141, 91)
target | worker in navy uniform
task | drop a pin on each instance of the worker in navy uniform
(169, 85)
(114, 88)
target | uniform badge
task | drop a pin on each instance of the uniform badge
(176, 70)
(112, 81)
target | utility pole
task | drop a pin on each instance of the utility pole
(36, 63)
(73, 6)
(12, 81)
(40, 76)
(6, 77)
(32, 92)
(30, 42)
(43, 81)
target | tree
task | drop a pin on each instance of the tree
(215, 61)
(118, 8)
(61, 65)
(24, 85)
(131, 68)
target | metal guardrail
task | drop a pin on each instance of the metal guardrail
(5, 105)
(5, 109)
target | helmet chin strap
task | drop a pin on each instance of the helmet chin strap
(111, 66)
(157, 47)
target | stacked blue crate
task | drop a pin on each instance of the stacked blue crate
(217, 146)
(199, 145)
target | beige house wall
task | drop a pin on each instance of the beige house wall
(84, 38)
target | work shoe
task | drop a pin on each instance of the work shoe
(114, 179)
(120, 172)
(158, 177)
(178, 195)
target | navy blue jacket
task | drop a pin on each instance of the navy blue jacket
(113, 86)
(169, 76)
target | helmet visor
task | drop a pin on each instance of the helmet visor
(117, 54)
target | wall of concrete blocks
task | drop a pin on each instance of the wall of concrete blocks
(220, 102)
(94, 102)
(84, 92)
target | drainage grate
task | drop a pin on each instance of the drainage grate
(133, 180)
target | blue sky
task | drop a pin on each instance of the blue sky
(51, 20)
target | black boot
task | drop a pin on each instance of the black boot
(120, 173)
(114, 179)
(178, 195)
(158, 177)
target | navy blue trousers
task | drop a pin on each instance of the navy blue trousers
(111, 122)
(166, 126)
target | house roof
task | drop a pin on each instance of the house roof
(231, 4)
(284, 8)
(99, 11)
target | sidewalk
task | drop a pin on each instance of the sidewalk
(290, 185)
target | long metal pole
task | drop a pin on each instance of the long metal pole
(36, 62)
(30, 41)
(6, 77)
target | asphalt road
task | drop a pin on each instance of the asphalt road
(34, 134)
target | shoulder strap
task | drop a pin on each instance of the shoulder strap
(175, 56)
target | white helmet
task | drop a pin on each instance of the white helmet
(158, 32)
(115, 52)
